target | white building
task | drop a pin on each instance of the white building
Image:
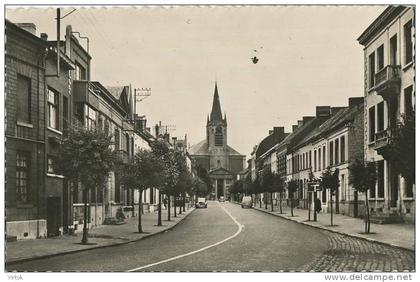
(389, 92)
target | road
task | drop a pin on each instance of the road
(225, 237)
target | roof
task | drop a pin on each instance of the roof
(115, 91)
(216, 110)
(380, 23)
(269, 142)
(29, 35)
(220, 171)
(202, 148)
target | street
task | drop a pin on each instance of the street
(225, 237)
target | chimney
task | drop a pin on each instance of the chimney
(148, 129)
(29, 27)
(355, 101)
(300, 123)
(294, 127)
(68, 39)
(323, 111)
(270, 132)
(44, 36)
(307, 119)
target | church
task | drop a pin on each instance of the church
(214, 154)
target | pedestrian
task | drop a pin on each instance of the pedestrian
(318, 205)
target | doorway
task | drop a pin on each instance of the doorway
(220, 188)
(53, 216)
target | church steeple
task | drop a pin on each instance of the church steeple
(216, 110)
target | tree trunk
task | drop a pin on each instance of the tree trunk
(160, 210)
(183, 203)
(291, 205)
(265, 199)
(175, 206)
(140, 228)
(132, 203)
(259, 199)
(271, 199)
(332, 207)
(85, 216)
(180, 209)
(367, 221)
(169, 207)
(280, 207)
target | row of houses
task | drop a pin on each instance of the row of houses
(336, 136)
(49, 90)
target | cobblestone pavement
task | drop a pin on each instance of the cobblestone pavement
(347, 254)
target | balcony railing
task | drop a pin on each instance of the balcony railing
(382, 139)
(387, 80)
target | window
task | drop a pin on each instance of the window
(372, 124)
(218, 137)
(408, 188)
(331, 153)
(90, 117)
(408, 100)
(380, 114)
(393, 50)
(127, 140)
(315, 160)
(336, 153)
(319, 159)
(371, 70)
(22, 177)
(23, 99)
(106, 126)
(381, 179)
(117, 139)
(323, 157)
(380, 55)
(342, 149)
(310, 158)
(408, 42)
(50, 164)
(80, 72)
(307, 160)
(65, 113)
(52, 109)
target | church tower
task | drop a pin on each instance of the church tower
(217, 133)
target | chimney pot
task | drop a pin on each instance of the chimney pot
(44, 36)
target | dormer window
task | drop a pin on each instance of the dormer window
(218, 137)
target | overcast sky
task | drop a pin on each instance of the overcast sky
(308, 56)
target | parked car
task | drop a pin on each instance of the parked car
(201, 203)
(221, 199)
(246, 202)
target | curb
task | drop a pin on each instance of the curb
(335, 231)
(16, 261)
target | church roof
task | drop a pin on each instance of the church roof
(202, 148)
(216, 110)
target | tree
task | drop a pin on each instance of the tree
(279, 186)
(330, 181)
(182, 181)
(203, 174)
(141, 173)
(269, 184)
(257, 188)
(292, 187)
(401, 149)
(236, 188)
(85, 156)
(169, 174)
(363, 177)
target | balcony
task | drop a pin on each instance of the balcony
(382, 139)
(387, 81)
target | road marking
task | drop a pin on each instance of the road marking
(240, 227)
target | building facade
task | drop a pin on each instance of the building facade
(389, 57)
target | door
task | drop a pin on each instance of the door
(53, 216)
(220, 190)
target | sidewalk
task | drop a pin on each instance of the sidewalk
(397, 235)
(99, 237)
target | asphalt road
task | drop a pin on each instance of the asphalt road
(225, 237)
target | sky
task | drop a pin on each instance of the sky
(308, 56)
